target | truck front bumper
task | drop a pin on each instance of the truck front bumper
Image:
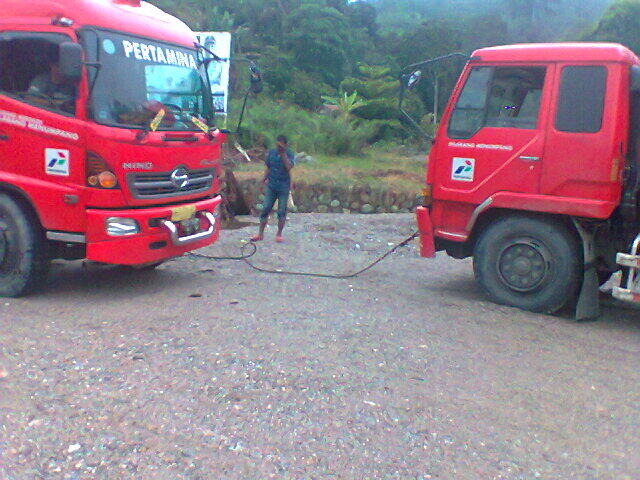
(425, 227)
(156, 233)
(631, 291)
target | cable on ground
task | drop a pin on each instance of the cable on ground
(245, 257)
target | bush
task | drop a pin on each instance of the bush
(307, 131)
(305, 91)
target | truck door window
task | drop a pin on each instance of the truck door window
(29, 71)
(507, 97)
(581, 99)
(468, 116)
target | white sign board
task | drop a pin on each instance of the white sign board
(220, 44)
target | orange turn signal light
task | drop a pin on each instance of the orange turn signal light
(98, 173)
(107, 180)
(427, 194)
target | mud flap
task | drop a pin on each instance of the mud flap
(588, 306)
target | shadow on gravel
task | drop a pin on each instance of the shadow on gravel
(74, 278)
(459, 291)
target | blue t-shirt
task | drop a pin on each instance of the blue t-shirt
(279, 178)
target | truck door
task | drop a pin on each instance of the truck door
(584, 153)
(41, 149)
(495, 134)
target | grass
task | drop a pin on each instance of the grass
(379, 168)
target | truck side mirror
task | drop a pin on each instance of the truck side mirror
(256, 79)
(635, 78)
(70, 62)
(414, 79)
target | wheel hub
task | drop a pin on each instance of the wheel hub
(523, 265)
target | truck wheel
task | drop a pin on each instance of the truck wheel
(529, 263)
(24, 262)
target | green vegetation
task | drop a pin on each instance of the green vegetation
(377, 167)
(331, 66)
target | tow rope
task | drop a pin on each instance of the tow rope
(246, 258)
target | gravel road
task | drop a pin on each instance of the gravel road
(208, 370)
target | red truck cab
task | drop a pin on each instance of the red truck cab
(105, 152)
(533, 172)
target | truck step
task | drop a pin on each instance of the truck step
(630, 261)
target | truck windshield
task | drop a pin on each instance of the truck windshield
(134, 78)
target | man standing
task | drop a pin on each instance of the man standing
(277, 178)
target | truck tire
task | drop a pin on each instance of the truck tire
(24, 260)
(529, 263)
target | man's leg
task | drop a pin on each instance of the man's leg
(269, 201)
(283, 198)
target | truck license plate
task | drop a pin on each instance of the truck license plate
(185, 212)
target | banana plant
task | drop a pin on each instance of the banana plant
(345, 104)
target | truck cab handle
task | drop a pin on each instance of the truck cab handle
(4, 137)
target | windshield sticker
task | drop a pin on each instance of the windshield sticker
(155, 123)
(56, 162)
(152, 53)
(34, 124)
(200, 124)
(482, 146)
(463, 169)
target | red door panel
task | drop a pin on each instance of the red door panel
(584, 153)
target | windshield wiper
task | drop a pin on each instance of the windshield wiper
(154, 123)
(213, 55)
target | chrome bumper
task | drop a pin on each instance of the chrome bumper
(177, 240)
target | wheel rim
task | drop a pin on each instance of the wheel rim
(524, 265)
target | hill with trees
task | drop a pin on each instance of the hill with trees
(339, 55)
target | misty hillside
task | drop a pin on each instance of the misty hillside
(537, 20)
(347, 55)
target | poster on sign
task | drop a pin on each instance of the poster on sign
(220, 44)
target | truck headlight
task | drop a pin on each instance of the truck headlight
(121, 227)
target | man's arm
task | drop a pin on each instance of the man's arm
(265, 177)
(286, 161)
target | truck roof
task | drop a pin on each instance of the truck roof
(558, 52)
(131, 16)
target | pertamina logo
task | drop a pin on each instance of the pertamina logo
(56, 162)
(463, 169)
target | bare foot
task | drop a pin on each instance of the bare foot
(257, 238)
(279, 238)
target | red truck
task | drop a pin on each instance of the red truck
(534, 173)
(105, 148)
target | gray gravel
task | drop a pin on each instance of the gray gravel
(207, 370)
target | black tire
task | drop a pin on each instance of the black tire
(24, 259)
(530, 263)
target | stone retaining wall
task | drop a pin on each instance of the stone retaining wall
(321, 198)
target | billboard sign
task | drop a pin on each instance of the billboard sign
(220, 44)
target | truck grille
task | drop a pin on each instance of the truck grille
(165, 184)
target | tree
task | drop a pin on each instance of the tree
(621, 24)
(318, 36)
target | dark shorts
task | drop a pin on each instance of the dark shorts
(272, 194)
